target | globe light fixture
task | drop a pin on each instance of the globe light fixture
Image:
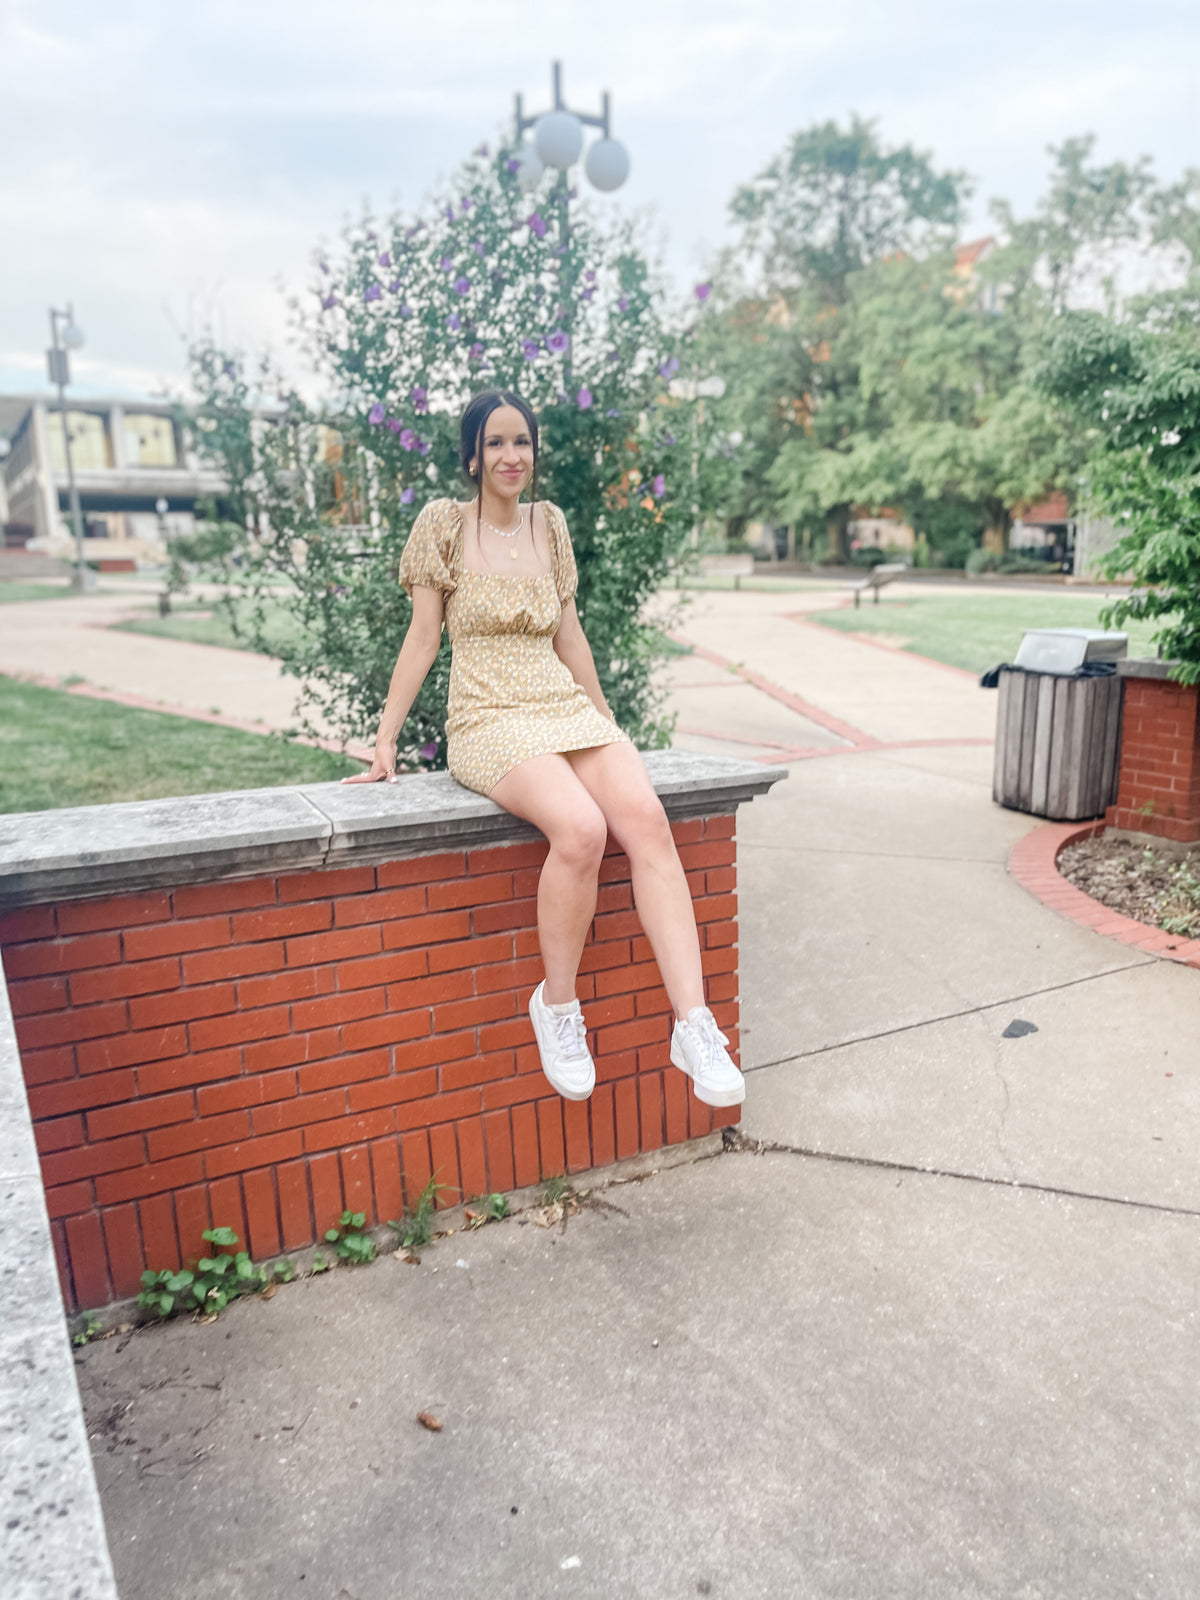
(559, 139)
(558, 143)
(607, 165)
(66, 337)
(72, 335)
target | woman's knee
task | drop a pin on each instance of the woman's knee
(644, 823)
(580, 836)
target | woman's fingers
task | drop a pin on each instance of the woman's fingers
(370, 777)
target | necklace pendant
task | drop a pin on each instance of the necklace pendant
(513, 554)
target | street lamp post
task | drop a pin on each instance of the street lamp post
(83, 579)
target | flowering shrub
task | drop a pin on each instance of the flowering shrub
(487, 287)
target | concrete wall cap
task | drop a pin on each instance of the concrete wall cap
(1147, 668)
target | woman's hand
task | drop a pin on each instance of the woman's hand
(383, 765)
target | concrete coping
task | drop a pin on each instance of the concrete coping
(54, 1542)
(87, 851)
(1145, 668)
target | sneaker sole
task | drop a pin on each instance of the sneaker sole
(567, 1094)
(713, 1097)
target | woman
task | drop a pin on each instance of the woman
(528, 726)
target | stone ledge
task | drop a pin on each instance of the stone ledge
(85, 851)
(1145, 668)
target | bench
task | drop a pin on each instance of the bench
(885, 572)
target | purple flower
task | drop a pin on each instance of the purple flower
(394, 286)
(702, 291)
(587, 294)
(328, 303)
(670, 440)
(482, 151)
(423, 447)
(420, 400)
(479, 247)
(406, 311)
(385, 259)
(407, 496)
(374, 293)
(466, 202)
(537, 225)
(666, 369)
(614, 355)
(584, 398)
(446, 264)
(407, 438)
(557, 342)
(324, 266)
(372, 235)
(476, 351)
(659, 486)
(376, 414)
(512, 164)
(590, 275)
(462, 285)
(449, 213)
(428, 751)
(613, 413)
(454, 322)
(394, 425)
(562, 249)
(530, 349)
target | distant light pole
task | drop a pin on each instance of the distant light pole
(83, 578)
(558, 142)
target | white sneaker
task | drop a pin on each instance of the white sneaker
(698, 1048)
(562, 1044)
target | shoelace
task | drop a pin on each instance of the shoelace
(711, 1039)
(572, 1035)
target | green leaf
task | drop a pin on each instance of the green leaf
(331, 1235)
(221, 1236)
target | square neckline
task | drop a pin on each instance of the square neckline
(508, 577)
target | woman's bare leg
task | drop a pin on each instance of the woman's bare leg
(546, 792)
(616, 778)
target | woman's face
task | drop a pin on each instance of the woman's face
(507, 452)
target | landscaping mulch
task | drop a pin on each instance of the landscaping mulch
(1155, 886)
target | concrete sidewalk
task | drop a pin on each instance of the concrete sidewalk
(940, 1342)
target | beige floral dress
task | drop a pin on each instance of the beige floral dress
(511, 697)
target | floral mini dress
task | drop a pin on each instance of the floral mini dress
(511, 696)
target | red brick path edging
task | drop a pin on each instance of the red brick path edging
(1034, 864)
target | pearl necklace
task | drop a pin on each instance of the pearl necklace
(506, 533)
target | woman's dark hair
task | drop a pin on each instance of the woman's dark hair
(474, 424)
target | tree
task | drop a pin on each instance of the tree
(487, 287)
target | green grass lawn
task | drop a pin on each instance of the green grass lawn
(59, 749)
(207, 622)
(32, 591)
(975, 631)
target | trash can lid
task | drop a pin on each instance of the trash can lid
(1067, 649)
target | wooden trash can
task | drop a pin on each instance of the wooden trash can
(1057, 742)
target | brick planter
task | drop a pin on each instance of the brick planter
(253, 1010)
(1158, 790)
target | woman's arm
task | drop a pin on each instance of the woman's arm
(417, 655)
(575, 653)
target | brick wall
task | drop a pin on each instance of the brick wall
(1159, 785)
(260, 1053)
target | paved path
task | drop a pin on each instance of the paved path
(941, 1343)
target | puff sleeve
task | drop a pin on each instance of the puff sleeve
(428, 557)
(566, 576)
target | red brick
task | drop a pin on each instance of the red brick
(48, 1066)
(175, 938)
(654, 1057)
(721, 959)
(290, 1050)
(333, 1009)
(339, 1069)
(193, 1216)
(675, 1102)
(438, 1107)
(651, 1110)
(615, 897)
(614, 1008)
(523, 976)
(432, 928)
(341, 944)
(207, 899)
(295, 1213)
(416, 1165)
(356, 1182)
(526, 1160)
(62, 1133)
(281, 922)
(722, 986)
(578, 1135)
(186, 1071)
(184, 1005)
(267, 1022)
(258, 1090)
(654, 1003)
(348, 1130)
(159, 1177)
(473, 891)
(393, 1089)
(30, 922)
(709, 854)
(507, 857)
(486, 1008)
(137, 1115)
(385, 1170)
(628, 1035)
(232, 961)
(421, 869)
(472, 1158)
(719, 934)
(513, 1091)
(511, 914)
(299, 1111)
(394, 967)
(716, 908)
(720, 880)
(118, 911)
(471, 953)
(497, 1135)
(393, 1028)
(688, 831)
(550, 1137)
(69, 1198)
(123, 1241)
(79, 1094)
(202, 1134)
(133, 978)
(160, 1239)
(68, 1027)
(325, 882)
(225, 1197)
(246, 1153)
(443, 1156)
(505, 1035)
(61, 955)
(477, 1069)
(602, 1132)
(719, 827)
(89, 1262)
(68, 1166)
(430, 991)
(29, 996)
(280, 988)
(699, 1117)
(434, 1050)
(385, 905)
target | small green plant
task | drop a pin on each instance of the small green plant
(554, 1190)
(415, 1227)
(217, 1280)
(285, 1271)
(320, 1264)
(85, 1334)
(349, 1240)
(487, 1208)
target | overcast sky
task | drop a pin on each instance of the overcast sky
(167, 167)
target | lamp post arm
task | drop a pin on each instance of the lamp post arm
(82, 574)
